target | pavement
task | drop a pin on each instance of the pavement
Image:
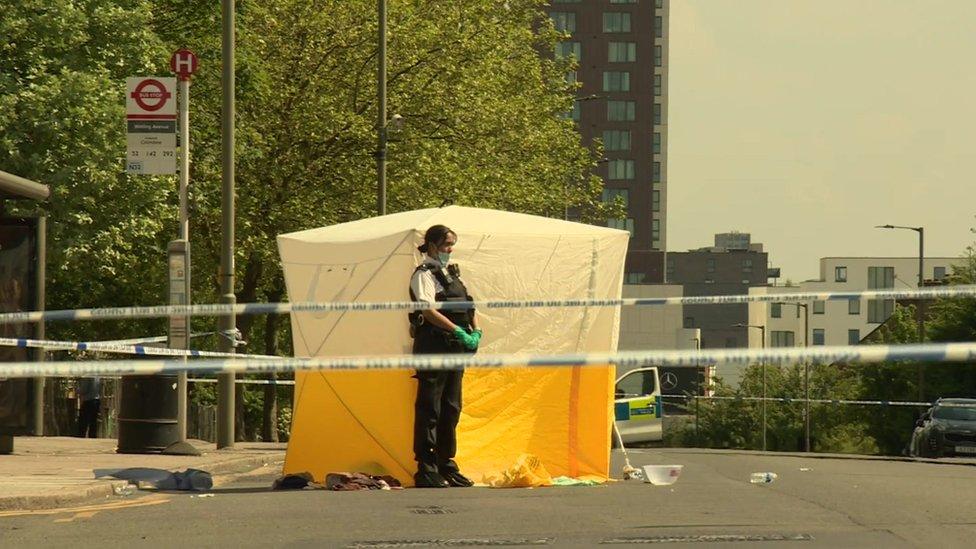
(50, 472)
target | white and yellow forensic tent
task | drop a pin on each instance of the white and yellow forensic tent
(363, 421)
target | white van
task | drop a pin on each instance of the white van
(637, 406)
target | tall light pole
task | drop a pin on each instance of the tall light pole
(697, 341)
(920, 310)
(806, 373)
(381, 112)
(227, 324)
(763, 364)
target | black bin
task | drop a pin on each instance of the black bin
(147, 414)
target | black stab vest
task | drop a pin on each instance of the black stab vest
(429, 338)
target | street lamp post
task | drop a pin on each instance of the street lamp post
(381, 112)
(806, 374)
(920, 311)
(762, 328)
(698, 394)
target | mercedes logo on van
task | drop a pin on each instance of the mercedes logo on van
(669, 381)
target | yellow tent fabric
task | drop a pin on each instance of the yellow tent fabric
(363, 421)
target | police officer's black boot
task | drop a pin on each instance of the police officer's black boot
(429, 479)
(455, 478)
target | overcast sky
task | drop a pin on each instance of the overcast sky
(807, 122)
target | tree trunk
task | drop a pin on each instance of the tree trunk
(248, 294)
(269, 426)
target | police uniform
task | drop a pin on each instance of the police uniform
(438, 405)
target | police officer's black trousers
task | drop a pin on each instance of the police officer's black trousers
(437, 411)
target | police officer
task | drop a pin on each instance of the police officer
(438, 405)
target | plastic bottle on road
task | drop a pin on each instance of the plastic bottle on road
(762, 478)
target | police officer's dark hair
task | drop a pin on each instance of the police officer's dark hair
(435, 235)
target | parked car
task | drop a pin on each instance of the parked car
(946, 429)
(637, 406)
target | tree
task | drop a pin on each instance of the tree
(62, 70)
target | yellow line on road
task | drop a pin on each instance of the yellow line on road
(141, 502)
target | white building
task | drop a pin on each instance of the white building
(657, 327)
(840, 322)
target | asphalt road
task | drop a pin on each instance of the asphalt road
(814, 503)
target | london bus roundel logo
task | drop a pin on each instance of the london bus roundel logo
(150, 95)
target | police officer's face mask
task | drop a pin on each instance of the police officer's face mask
(444, 258)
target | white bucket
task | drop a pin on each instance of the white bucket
(662, 475)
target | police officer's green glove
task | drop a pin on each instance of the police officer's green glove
(465, 338)
(476, 336)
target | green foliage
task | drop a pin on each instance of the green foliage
(62, 70)
(734, 422)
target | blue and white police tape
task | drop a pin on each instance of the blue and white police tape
(246, 381)
(217, 309)
(798, 400)
(943, 352)
(110, 347)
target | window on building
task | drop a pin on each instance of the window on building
(623, 1)
(622, 52)
(622, 224)
(658, 3)
(782, 339)
(776, 310)
(655, 230)
(747, 265)
(655, 201)
(656, 172)
(818, 307)
(669, 267)
(610, 195)
(658, 79)
(658, 27)
(621, 111)
(656, 144)
(689, 322)
(881, 278)
(818, 336)
(854, 306)
(571, 78)
(880, 309)
(840, 274)
(635, 278)
(575, 113)
(616, 22)
(564, 21)
(853, 337)
(568, 48)
(658, 56)
(657, 113)
(710, 265)
(620, 169)
(616, 81)
(939, 273)
(616, 140)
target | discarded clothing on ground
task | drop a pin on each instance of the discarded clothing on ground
(570, 481)
(528, 471)
(161, 479)
(360, 481)
(296, 481)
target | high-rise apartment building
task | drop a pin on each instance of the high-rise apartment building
(621, 47)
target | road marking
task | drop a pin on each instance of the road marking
(83, 514)
(141, 502)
